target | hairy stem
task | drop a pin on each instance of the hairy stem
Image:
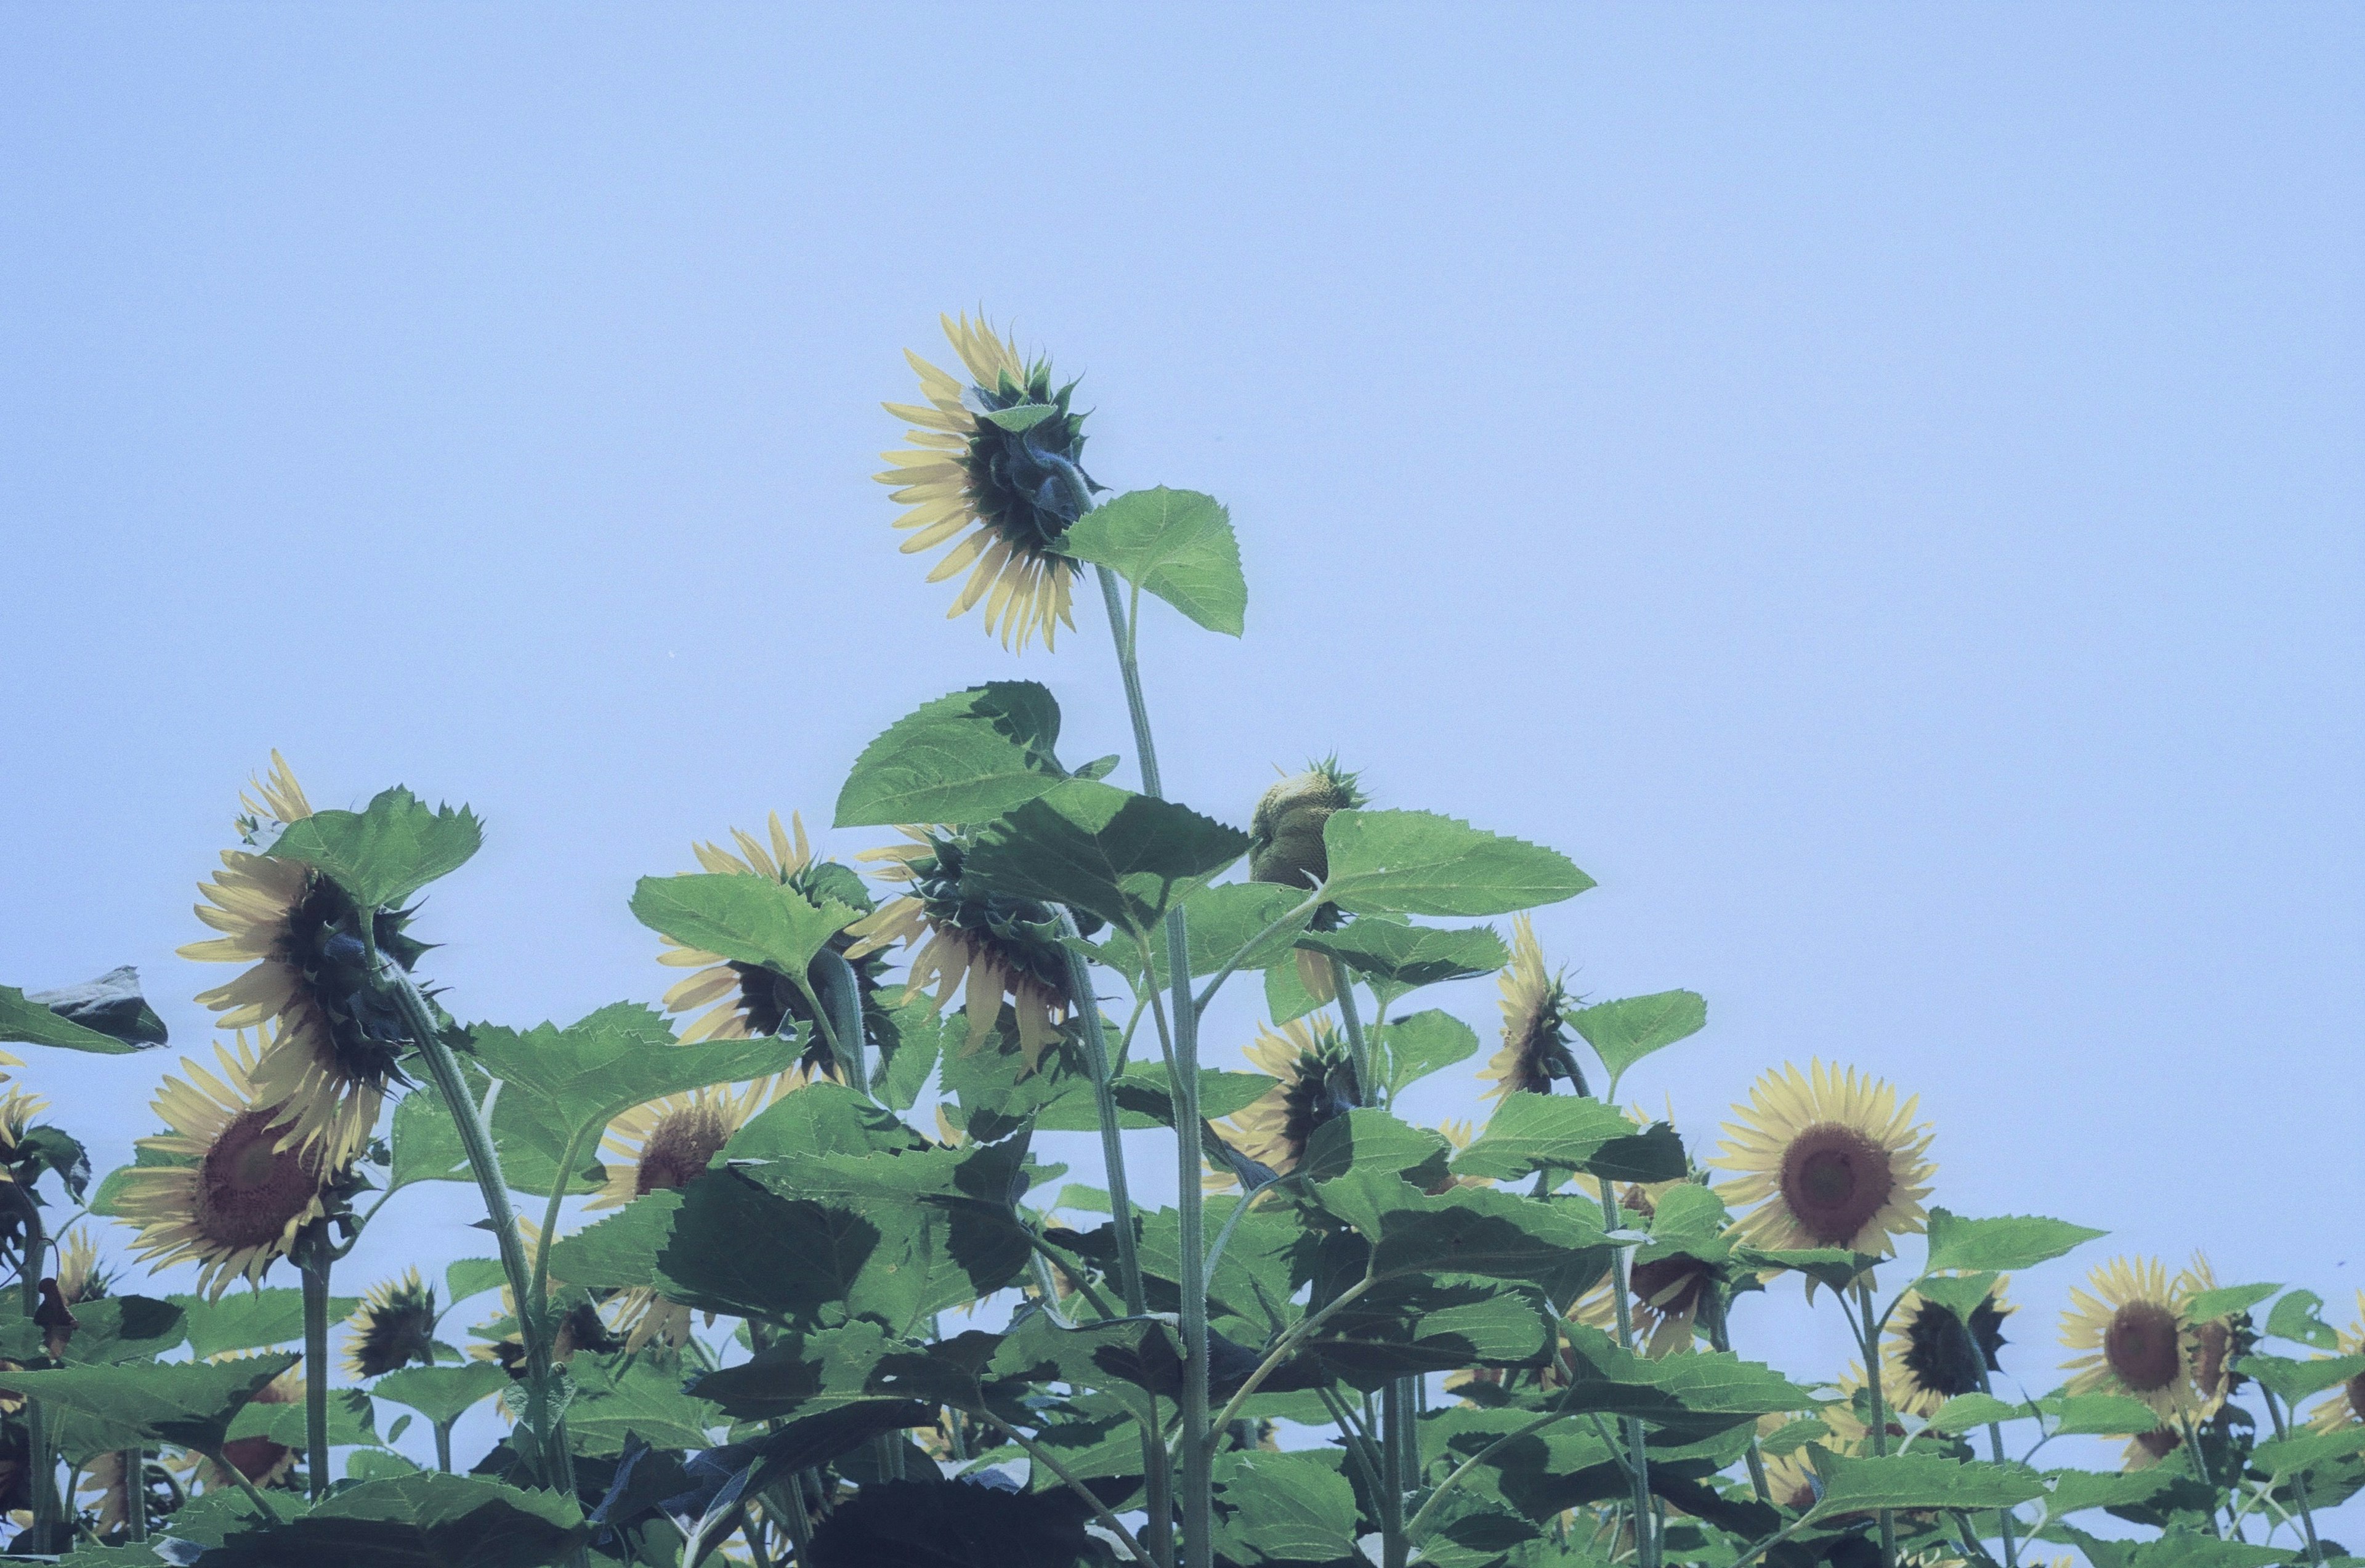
(1720, 1337)
(41, 1459)
(315, 1275)
(1290, 1341)
(1358, 1051)
(1871, 1342)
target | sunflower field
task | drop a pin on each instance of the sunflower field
(825, 1301)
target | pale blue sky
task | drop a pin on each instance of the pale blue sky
(1879, 487)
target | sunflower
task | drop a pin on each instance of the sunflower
(983, 944)
(1316, 1083)
(745, 1000)
(394, 1326)
(1837, 1160)
(996, 459)
(2344, 1406)
(2212, 1349)
(1792, 1482)
(338, 1042)
(2130, 1325)
(264, 1461)
(2147, 1449)
(17, 1109)
(102, 1491)
(1535, 1050)
(670, 1142)
(1929, 1357)
(235, 1195)
(80, 1278)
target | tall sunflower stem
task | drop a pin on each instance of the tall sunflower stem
(40, 1458)
(1145, 749)
(135, 1494)
(1720, 1339)
(314, 1271)
(1198, 1475)
(1358, 1050)
(1870, 1340)
(1097, 1060)
(1646, 1544)
(2298, 1482)
(1995, 1452)
(551, 1458)
(443, 1447)
(2200, 1469)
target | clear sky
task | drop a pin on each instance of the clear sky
(1879, 487)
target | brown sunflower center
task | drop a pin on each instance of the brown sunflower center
(680, 1148)
(1801, 1498)
(2356, 1390)
(2140, 1346)
(1668, 1286)
(256, 1458)
(2159, 1444)
(247, 1190)
(1835, 1179)
(2211, 1341)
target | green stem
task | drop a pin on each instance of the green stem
(1359, 1445)
(551, 1458)
(135, 1495)
(443, 1447)
(1646, 1546)
(1079, 983)
(1420, 1514)
(1358, 1051)
(1253, 943)
(550, 1222)
(1720, 1337)
(239, 1476)
(41, 1459)
(2299, 1482)
(1158, 1488)
(1048, 1460)
(1995, 1452)
(1395, 1545)
(1769, 1543)
(838, 1009)
(2201, 1469)
(1870, 1340)
(800, 1519)
(314, 1273)
(1290, 1341)
(1145, 750)
(1198, 1475)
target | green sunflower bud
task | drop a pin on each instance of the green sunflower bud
(1285, 833)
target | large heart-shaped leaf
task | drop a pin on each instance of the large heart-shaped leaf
(382, 855)
(1175, 544)
(1421, 863)
(1093, 846)
(966, 757)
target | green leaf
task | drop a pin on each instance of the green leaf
(2075, 1490)
(1958, 1293)
(1418, 1323)
(1540, 1132)
(1145, 1098)
(1692, 1395)
(427, 1146)
(1284, 1507)
(1222, 921)
(382, 855)
(190, 1402)
(466, 1277)
(919, 1035)
(1624, 1033)
(250, 1319)
(1967, 1412)
(1420, 863)
(2294, 1318)
(2284, 1456)
(966, 757)
(1175, 544)
(753, 920)
(819, 1373)
(112, 1329)
(425, 1521)
(1411, 956)
(1920, 1481)
(2293, 1380)
(1285, 996)
(2098, 1415)
(1463, 1230)
(1689, 1221)
(1833, 1266)
(442, 1394)
(2226, 1300)
(1413, 1047)
(616, 1397)
(1093, 846)
(1371, 1140)
(28, 1021)
(2016, 1242)
(579, 1079)
(1022, 418)
(349, 1422)
(821, 1118)
(620, 1252)
(107, 1015)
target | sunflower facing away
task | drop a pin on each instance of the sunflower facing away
(1835, 1159)
(338, 1042)
(1930, 1356)
(994, 463)
(394, 1326)
(1316, 1083)
(2129, 1325)
(1535, 1050)
(2344, 1405)
(745, 1000)
(235, 1197)
(983, 946)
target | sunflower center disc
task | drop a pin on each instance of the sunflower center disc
(1835, 1179)
(2356, 1396)
(2159, 1444)
(680, 1149)
(1668, 1286)
(247, 1190)
(2140, 1346)
(2209, 1356)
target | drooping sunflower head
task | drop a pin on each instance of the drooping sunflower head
(745, 1000)
(394, 1326)
(996, 463)
(264, 1461)
(1286, 843)
(339, 1042)
(1831, 1160)
(79, 1277)
(2130, 1329)
(670, 1142)
(1315, 1083)
(236, 1193)
(2214, 1346)
(1535, 1052)
(2344, 1405)
(981, 944)
(1930, 1356)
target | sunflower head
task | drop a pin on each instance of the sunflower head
(1830, 1159)
(80, 1275)
(1286, 843)
(2147, 1449)
(2344, 1405)
(394, 1328)
(2130, 1327)
(1793, 1482)
(234, 1192)
(996, 461)
(1315, 1083)
(2215, 1346)
(743, 1000)
(670, 1142)
(980, 944)
(1933, 1357)
(1535, 1052)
